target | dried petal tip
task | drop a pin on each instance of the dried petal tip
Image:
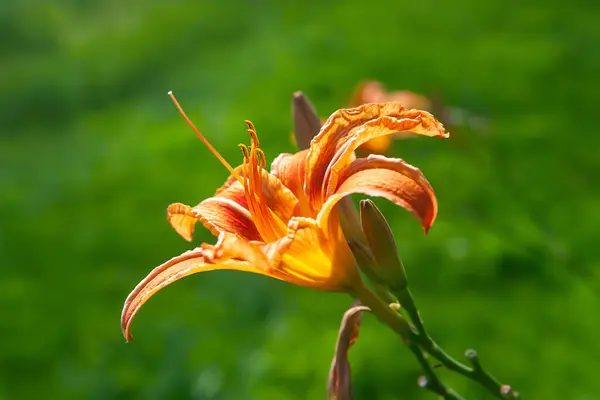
(379, 236)
(340, 386)
(307, 123)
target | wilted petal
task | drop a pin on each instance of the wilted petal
(347, 129)
(375, 92)
(339, 386)
(230, 253)
(390, 178)
(420, 122)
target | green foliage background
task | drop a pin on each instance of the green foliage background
(92, 151)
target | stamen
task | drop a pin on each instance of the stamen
(247, 193)
(204, 140)
(253, 204)
(253, 136)
(262, 160)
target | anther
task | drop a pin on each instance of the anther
(252, 132)
(245, 151)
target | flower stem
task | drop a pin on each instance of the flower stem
(430, 380)
(476, 373)
(384, 312)
(395, 321)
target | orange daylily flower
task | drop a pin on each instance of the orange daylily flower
(282, 223)
(375, 92)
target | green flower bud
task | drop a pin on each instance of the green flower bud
(376, 230)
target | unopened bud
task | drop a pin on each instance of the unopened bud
(364, 259)
(383, 246)
(306, 120)
(350, 220)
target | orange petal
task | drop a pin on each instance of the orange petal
(312, 259)
(290, 169)
(183, 219)
(419, 122)
(374, 92)
(233, 189)
(218, 214)
(390, 178)
(347, 129)
(206, 258)
(228, 210)
(280, 199)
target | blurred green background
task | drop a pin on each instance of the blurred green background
(92, 151)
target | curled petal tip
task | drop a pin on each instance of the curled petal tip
(125, 321)
(127, 315)
(427, 226)
(183, 219)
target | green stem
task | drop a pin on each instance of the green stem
(401, 326)
(477, 373)
(431, 381)
(406, 300)
(384, 312)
